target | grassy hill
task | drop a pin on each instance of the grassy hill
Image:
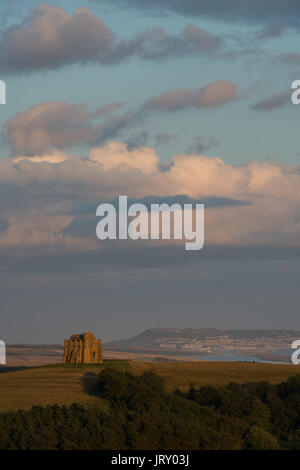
(65, 384)
(47, 385)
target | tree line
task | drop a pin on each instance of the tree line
(143, 415)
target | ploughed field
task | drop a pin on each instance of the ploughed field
(66, 384)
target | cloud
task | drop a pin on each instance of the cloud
(163, 139)
(83, 225)
(117, 153)
(273, 102)
(71, 207)
(201, 145)
(115, 125)
(54, 157)
(3, 225)
(287, 58)
(44, 128)
(48, 125)
(112, 168)
(210, 96)
(253, 204)
(254, 10)
(107, 110)
(137, 140)
(273, 29)
(57, 124)
(50, 38)
(128, 257)
(157, 44)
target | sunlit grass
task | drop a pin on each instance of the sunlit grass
(64, 384)
(47, 385)
(182, 374)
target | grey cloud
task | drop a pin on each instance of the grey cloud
(3, 225)
(84, 225)
(210, 96)
(55, 125)
(287, 58)
(200, 145)
(209, 202)
(50, 38)
(96, 260)
(254, 10)
(71, 207)
(163, 139)
(272, 102)
(47, 125)
(273, 30)
(131, 256)
(108, 109)
(79, 207)
(157, 44)
(81, 227)
(113, 126)
(15, 198)
(137, 140)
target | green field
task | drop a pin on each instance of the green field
(66, 384)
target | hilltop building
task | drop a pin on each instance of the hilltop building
(82, 349)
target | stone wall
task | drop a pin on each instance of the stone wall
(82, 349)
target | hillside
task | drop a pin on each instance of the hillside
(272, 344)
(64, 384)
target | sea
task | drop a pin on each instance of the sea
(232, 357)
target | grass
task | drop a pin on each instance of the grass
(66, 384)
(114, 363)
(183, 374)
(47, 385)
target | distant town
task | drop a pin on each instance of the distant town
(265, 344)
(158, 344)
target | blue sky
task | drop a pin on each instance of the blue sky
(272, 134)
(230, 133)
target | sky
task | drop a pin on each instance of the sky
(151, 99)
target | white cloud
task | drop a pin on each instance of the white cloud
(116, 153)
(272, 190)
